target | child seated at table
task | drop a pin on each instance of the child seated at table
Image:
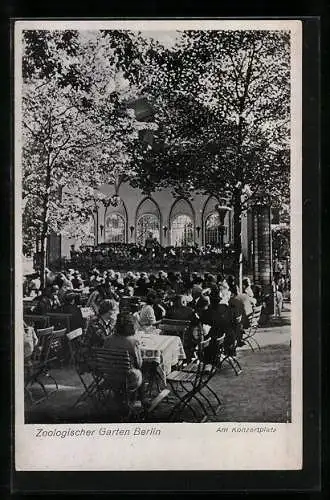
(124, 339)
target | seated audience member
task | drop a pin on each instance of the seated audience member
(124, 339)
(30, 343)
(148, 320)
(200, 301)
(187, 293)
(35, 284)
(180, 310)
(101, 326)
(30, 340)
(241, 305)
(128, 290)
(64, 285)
(96, 297)
(232, 284)
(159, 306)
(109, 290)
(142, 286)
(219, 317)
(69, 307)
(152, 281)
(95, 278)
(186, 278)
(118, 283)
(48, 301)
(247, 290)
(77, 282)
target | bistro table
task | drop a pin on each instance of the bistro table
(164, 350)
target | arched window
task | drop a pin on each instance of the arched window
(212, 229)
(115, 229)
(147, 224)
(182, 231)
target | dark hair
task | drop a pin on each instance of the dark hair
(106, 306)
(69, 297)
(215, 295)
(233, 288)
(178, 300)
(246, 282)
(151, 296)
(59, 281)
(125, 325)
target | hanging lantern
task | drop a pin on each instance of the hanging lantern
(115, 200)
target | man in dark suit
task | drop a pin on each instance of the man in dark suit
(69, 307)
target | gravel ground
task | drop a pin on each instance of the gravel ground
(261, 393)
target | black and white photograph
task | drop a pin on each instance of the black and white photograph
(155, 180)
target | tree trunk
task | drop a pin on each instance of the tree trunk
(45, 223)
(237, 235)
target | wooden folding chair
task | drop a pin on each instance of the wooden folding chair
(222, 357)
(111, 368)
(59, 349)
(175, 327)
(179, 328)
(37, 321)
(38, 365)
(80, 357)
(60, 320)
(249, 333)
(190, 384)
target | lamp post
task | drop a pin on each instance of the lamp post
(222, 209)
(96, 222)
(132, 231)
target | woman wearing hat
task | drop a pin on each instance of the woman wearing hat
(101, 326)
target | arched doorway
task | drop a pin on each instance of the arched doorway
(148, 221)
(182, 223)
(182, 231)
(212, 229)
(147, 225)
(115, 228)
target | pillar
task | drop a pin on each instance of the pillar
(262, 245)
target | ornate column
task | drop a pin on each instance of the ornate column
(262, 242)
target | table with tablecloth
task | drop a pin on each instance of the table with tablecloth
(164, 350)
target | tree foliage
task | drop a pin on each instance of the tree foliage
(222, 99)
(220, 119)
(77, 131)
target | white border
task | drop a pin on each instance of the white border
(180, 446)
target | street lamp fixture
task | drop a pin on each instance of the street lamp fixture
(222, 209)
(198, 231)
(165, 228)
(115, 200)
(132, 230)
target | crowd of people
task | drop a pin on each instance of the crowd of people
(200, 299)
(212, 305)
(121, 255)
